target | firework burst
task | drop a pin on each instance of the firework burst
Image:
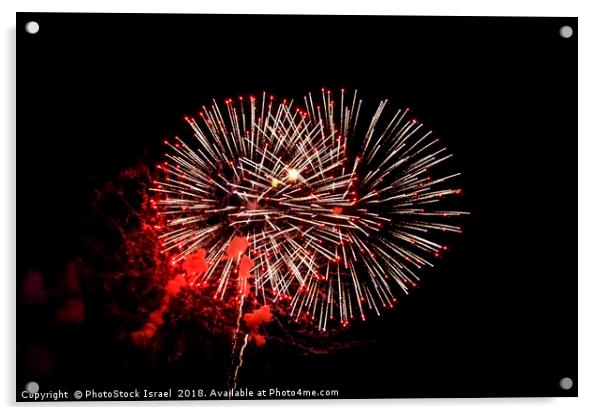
(314, 205)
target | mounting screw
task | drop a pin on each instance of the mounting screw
(566, 383)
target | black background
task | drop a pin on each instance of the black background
(497, 316)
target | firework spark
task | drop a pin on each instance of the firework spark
(338, 213)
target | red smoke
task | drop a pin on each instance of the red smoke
(32, 289)
(70, 284)
(259, 339)
(255, 319)
(156, 319)
(141, 336)
(244, 273)
(71, 312)
(73, 309)
(174, 286)
(38, 360)
(237, 247)
(195, 263)
(244, 269)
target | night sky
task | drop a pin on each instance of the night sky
(497, 316)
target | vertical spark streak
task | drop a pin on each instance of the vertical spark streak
(236, 332)
(240, 361)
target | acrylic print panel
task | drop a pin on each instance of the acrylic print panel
(283, 207)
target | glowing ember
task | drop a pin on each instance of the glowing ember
(293, 174)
